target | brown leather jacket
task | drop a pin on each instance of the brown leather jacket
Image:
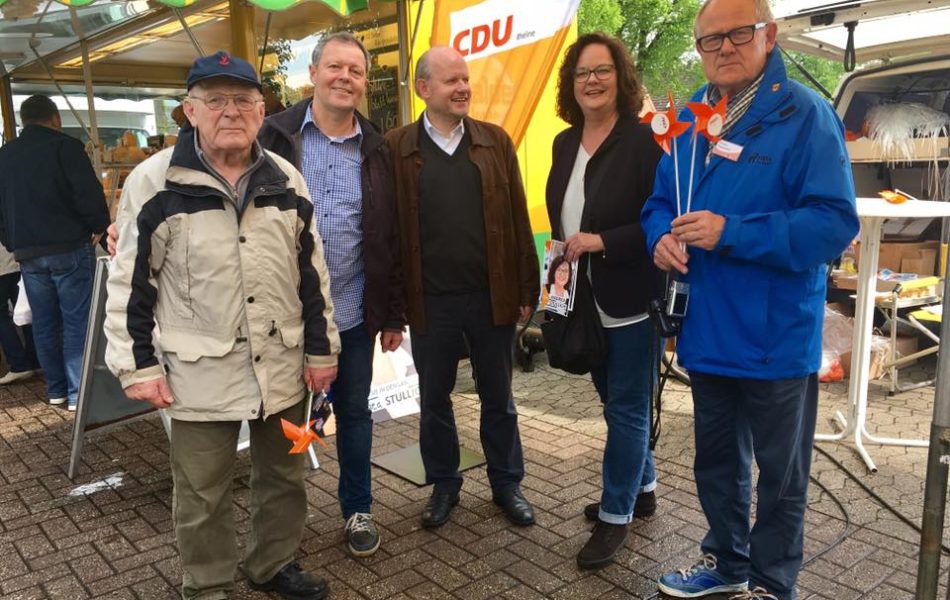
(513, 275)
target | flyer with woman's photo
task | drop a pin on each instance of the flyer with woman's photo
(557, 279)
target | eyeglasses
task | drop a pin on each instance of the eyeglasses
(218, 102)
(738, 37)
(601, 72)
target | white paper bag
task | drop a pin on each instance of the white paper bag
(22, 315)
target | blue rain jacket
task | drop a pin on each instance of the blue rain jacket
(757, 300)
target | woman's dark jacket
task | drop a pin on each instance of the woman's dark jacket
(617, 183)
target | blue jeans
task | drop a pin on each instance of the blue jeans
(59, 288)
(354, 420)
(624, 383)
(20, 353)
(773, 422)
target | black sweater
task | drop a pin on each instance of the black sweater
(50, 198)
(451, 220)
(617, 183)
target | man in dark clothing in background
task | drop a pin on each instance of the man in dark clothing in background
(52, 212)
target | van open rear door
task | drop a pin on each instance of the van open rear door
(861, 31)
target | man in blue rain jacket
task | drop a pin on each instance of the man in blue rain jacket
(771, 205)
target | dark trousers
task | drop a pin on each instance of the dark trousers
(737, 420)
(19, 350)
(354, 420)
(436, 354)
(203, 455)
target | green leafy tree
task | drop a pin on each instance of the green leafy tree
(599, 15)
(659, 34)
(827, 72)
(277, 55)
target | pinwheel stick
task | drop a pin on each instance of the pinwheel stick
(676, 178)
(692, 170)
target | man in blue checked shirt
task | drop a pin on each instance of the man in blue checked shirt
(347, 168)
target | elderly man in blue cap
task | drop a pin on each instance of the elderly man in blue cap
(218, 248)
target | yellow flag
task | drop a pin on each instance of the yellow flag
(511, 46)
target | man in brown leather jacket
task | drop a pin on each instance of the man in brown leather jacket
(470, 270)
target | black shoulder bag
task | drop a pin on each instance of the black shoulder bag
(576, 343)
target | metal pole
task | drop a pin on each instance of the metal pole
(90, 95)
(412, 40)
(6, 108)
(243, 38)
(938, 460)
(185, 27)
(33, 44)
(402, 28)
(260, 69)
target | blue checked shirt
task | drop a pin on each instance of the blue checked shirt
(332, 168)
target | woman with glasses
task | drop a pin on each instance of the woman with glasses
(559, 278)
(600, 178)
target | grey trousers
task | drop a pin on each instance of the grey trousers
(202, 458)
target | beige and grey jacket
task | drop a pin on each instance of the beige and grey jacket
(240, 297)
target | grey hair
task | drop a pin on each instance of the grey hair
(342, 37)
(423, 68)
(763, 12)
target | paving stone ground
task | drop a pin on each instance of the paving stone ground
(119, 542)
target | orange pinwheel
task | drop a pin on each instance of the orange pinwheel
(665, 126)
(710, 120)
(300, 435)
(892, 197)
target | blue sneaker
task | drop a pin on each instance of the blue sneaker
(699, 580)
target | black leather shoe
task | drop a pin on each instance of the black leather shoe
(517, 509)
(439, 508)
(645, 507)
(293, 583)
(604, 543)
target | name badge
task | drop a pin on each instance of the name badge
(727, 150)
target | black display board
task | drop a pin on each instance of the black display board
(101, 398)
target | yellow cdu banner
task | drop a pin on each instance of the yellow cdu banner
(511, 47)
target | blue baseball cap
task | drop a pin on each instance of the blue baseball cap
(222, 64)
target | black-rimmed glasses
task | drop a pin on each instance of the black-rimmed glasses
(738, 37)
(601, 72)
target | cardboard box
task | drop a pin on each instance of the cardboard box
(849, 281)
(866, 150)
(881, 355)
(906, 257)
(906, 345)
(879, 352)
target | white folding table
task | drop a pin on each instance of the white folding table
(873, 212)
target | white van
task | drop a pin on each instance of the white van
(896, 104)
(114, 117)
